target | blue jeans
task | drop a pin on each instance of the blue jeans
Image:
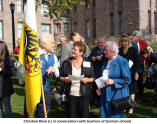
(7, 106)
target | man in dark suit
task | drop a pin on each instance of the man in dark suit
(137, 42)
(140, 45)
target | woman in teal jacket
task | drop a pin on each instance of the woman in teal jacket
(116, 71)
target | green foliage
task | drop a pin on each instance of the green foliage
(61, 6)
(57, 7)
(145, 109)
(154, 46)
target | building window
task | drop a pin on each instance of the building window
(66, 27)
(87, 29)
(1, 29)
(19, 29)
(87, 4)
(111, 4)
(149, 22)
(0, 5)
(75, 27)
(94, 3)
(58, 27)
(155, 17)
(75, 8)
(45, 28)
(94, 28)
(44, 8)
(112, 24)
(120, 23)
(120, 4)
(19, 5)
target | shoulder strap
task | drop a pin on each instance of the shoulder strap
(117, 90)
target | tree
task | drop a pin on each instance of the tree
(57, 7)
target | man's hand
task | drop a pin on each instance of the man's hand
(93, 58)
(98, 57)
(50, 70)
(40, 64)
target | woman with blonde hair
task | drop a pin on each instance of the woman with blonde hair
(130, 53)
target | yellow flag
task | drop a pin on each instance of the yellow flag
(29, 58)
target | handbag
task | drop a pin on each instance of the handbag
(121, 104)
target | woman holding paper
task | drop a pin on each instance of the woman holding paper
(117, 71)
(130, 53)
(77, 73)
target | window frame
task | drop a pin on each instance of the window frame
(43, 31)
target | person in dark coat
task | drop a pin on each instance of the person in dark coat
(78, 90)
(130, 53)
(6, 72)
(140, 45)
(96, 57)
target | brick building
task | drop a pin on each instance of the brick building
(113, 17)
(44, 24)
(95, 19)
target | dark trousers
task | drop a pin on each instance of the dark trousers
(140, 85)
(79, 105)
(95, 96)
(6, 101)
(39, 113)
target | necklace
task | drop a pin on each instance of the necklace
(77, 65)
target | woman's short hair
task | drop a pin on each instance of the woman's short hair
(113, 46)
(81, 45)
(126, 38)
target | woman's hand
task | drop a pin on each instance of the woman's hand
(67, 80)
(85, 80)
(136, 76)
(98, 92)
(109, 82)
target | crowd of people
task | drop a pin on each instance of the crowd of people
(121, 66)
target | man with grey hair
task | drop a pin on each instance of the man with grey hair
(49, 66)
(137, 42)
(140, 45)
(67, 47)
(96, 57)
(62, 41)
(87, 52)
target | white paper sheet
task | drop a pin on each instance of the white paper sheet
(100, 82)
(130, 63)
(71, 77)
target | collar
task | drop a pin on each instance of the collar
(41, 52)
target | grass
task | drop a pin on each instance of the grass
(146, 109)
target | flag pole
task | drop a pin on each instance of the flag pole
(42, 90)
(43, 97)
